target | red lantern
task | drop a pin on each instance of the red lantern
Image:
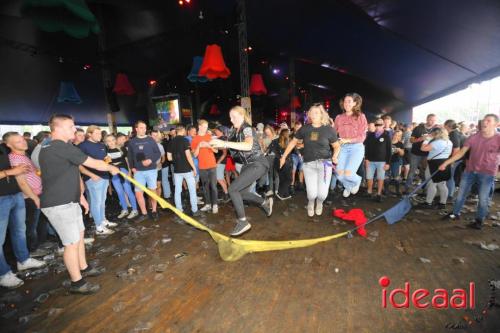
(296, 102)
(122, 85)
(214, 110)
(257, 86)
(213, 65)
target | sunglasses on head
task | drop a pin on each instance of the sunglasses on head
(379, 124)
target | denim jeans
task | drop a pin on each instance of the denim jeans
(484, 183)
(191, 184)
(317, 175)
(97, 192)
(350, 158)
(209, 182)
(32, 218)
(165, 183)
(395, 168)
(13, 216)
(240, 188)
(451, 182)
(415, 161)
(375, 166)
(124, 188)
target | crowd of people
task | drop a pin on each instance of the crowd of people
(45, 182)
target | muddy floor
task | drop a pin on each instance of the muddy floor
(168, 277)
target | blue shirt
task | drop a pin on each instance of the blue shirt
(140, 149)
(440, 149)
(96, 150)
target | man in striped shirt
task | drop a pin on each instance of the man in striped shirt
(31, 190)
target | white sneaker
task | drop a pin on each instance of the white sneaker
(133, 214)
(30, 263)
(346, 193)
(10, 280)
(310, 209)
(206, 208)
(88, 240)
(319, 208)
(123, 213)
(103, 230)
(215, 209)
(60, 250)
(355, 189)
(108, 224)
(269, 193)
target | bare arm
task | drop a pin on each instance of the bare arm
(190, 160)
(426, 147)
(289, 148)
(88, 173)
(456, 157)
(223, 156)
(169, 157)
(26, 189)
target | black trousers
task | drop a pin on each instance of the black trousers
(208, 179)
(239, 189)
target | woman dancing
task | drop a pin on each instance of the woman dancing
(245, 149)
(318, 138)
(351, 127)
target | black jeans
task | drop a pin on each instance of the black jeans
(32, 218)
(285, 175)
(239, 189)
(209, 182)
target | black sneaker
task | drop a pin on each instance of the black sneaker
(240, 228)
(93, 271)
(441, 206)
(426, 205)
(155, 216)
(226, 198)
(86, 289)
(141, 217)
(378, 198)
(267, 206)
(478, 225)
(451, 217)
(198, 213)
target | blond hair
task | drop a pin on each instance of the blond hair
(242, 112)
(92, 128)
(440, 133)
(325, 118)
(202, 122)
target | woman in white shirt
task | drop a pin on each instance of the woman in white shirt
(439, 147)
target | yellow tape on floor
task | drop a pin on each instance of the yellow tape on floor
(232, 249)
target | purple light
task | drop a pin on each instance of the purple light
(276, 71)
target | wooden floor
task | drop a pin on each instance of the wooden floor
(331, 287)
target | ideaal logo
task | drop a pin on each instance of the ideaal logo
(422, 298)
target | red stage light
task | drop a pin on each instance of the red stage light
(187, 1)
(181, 2)
(152, 82)
(87, 66)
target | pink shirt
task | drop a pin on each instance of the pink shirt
(350, 127)
(484, 154)
(34, 181)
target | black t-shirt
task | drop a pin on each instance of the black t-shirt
(219, 152)
(378, 149)
(317, 142)
(418, 132)
(166, 162)
(177, 147)
(8, 185)
(118, 157)
(59, 163)
(395, 156)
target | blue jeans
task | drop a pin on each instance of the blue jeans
(13, 216)
(375, 166)
(97, 192)
(122, 188)
(484, 183)
(451, 182)
(32, 218)
(350, 158)
(191, 184)
(396, 168)
(415, 161)
(165, 184)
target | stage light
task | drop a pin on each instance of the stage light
(276, 71)
(181, 2)
(87, 67)
(152, 82)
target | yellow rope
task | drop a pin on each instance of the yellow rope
(232, 249)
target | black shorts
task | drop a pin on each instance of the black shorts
(159, 179)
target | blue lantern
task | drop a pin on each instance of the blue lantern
(194, 76)
(68, 93)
